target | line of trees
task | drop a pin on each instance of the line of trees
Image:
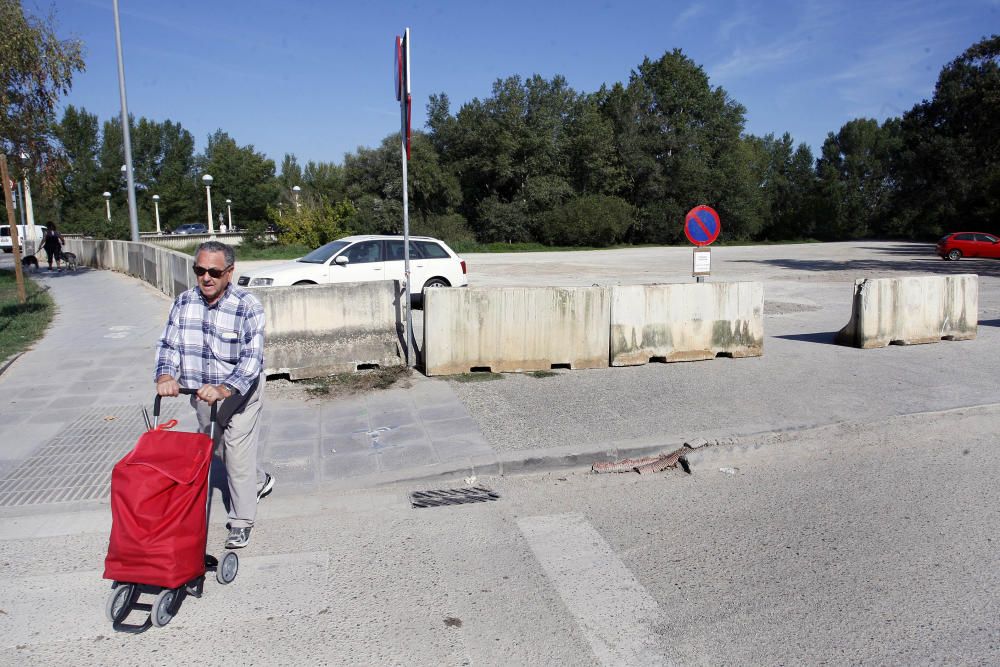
(539, 161)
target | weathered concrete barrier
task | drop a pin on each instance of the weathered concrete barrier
(311, 330)
(515, 329)
(686, 322)
(316, 330)
(911, 310)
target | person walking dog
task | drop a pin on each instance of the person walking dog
(214, 342)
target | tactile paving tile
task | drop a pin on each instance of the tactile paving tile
(76, 464)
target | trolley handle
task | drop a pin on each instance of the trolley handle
(183, 391)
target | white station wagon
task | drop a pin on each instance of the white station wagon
(366, 258)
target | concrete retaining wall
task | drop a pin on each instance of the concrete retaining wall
(515, 328)
(916, 309)
(312, 330)
(316, 330)
(686, 322)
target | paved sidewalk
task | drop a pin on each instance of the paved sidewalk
(71, 407)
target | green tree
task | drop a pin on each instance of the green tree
(948, 166)
(324, 182)
(175, 180)
(81, 206)
(786, 178)
(591, 220)
(314, 226)
(679, 142)
(373, 181)
(36, 68)
(241, 174)
(510, 153)
(856, 183)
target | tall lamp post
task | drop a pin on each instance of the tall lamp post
(207, 180)
(156, 205)
(133, 216)
(107, 204)
(296, 190)
(229, 213)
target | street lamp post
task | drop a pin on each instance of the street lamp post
(296, 190)
(229, 212)
(133, 216)
(107, 204)
(156, 205)
(207, 180)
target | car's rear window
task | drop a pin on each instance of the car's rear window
(964, 237)
(5, 230)
(323, 253)
(432, 250)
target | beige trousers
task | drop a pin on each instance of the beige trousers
(236, 435)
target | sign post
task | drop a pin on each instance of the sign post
(12, 221)
(405, 110)
(702, 227)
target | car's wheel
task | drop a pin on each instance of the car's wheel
(955, 255)
(304, 282)
(435, 282)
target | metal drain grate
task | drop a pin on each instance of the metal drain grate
(442, 497)
(76, 464)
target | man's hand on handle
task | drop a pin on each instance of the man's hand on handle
(210, 393)
(167, 386)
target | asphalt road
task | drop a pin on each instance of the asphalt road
(867, 537)
(864, 543)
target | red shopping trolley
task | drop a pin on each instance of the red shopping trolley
(159, 530)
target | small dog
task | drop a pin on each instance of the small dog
(70, 259)
(29, 262)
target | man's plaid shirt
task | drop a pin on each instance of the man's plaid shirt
(204, 344)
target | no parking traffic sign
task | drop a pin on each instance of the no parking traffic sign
(702, 225)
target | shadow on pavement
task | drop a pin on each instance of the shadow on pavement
(900, 258)
(827, 337)
(989, 323)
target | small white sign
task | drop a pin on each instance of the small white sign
(702, 262)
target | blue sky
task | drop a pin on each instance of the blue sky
(316, 78)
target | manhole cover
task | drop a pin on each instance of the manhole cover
(76, 464)
(442, 497)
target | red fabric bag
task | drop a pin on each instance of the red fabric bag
(159, 520)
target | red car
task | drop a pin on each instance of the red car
(968, 244)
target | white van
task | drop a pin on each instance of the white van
(34, 245)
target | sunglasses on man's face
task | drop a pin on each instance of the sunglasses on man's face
(215, 273)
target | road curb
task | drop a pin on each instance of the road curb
(9, 362)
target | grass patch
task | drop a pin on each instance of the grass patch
(476, 377)
(22, 324)
(542, 374)
(345, 384)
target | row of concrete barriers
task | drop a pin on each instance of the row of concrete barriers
(317, 330)
(539, 328)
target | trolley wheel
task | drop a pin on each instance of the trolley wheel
(230, 565)
(120, 601)
(163, 607)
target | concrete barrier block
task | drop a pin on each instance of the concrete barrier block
(912, 310)
(515, 329)
(316, 330)
(686, 322)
